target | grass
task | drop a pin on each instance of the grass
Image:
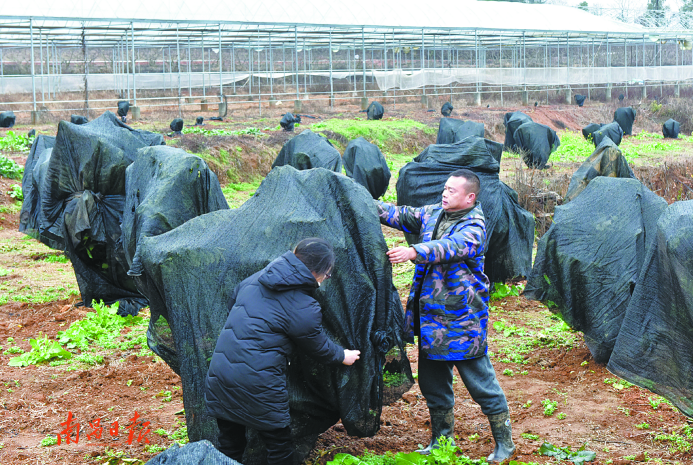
(381, 133)
(238, 193)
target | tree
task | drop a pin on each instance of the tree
(585, 6)
(657, 12)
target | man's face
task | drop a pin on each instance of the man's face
(455, 195)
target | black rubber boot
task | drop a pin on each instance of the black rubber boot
(502, 434)
(442, 424)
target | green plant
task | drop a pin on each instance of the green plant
(15, 142)
(561, 416)
(42, 350)
(165, 396)
(549, 407)
(626, 411)
(473, 437)
(154, 448)
(16, 192)
(13, 350)
(49, 441)
(56, 258)
(643, 426)
(101, 326)
(502, 290)
(531, 437)
(508, 372)
(654, 402)
(578, 457)
(528, 404)
(180, 435)
(394, 379)
(679, 439)
(10, 169)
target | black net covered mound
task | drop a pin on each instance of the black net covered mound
(123, 108)
(191, 271)
(7, 119)
(606, 160)
(84, 188)
(512, 121)
(365, 163)
(309, 150)
(452, 130)
(671, 129)
(608, 131)
(194, 453)
(78, 119)
(625, 116)
(536, 142)
(580, 99)
(589, 260)
(654, 346)
(509, 227)
(375, 111)
(446, 109)
(165, 187)
(288, 121)
(32, 222)
(590, 129)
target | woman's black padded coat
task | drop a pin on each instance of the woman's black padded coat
(272, 312)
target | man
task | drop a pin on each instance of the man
(448, 306)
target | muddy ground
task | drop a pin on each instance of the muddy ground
(598, 411)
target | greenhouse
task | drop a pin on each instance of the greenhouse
(217, 54)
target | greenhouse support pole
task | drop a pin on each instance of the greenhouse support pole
(33, 76)
(2, 74)
(202, 47)
(43, 94)
(305, 69)
(476, 65)
(271, 66)
(331, 83)
(298, 96)
(163, 67)
(250, 70)
(189, 71)
(363, 60)
(500, 65)
(134, 71)
(48, 66)
(385, 56)
(283, 68)
(86, 71)
(233, 66)
(625, 63)
(221, 82)
(180, 109)
(423, 63)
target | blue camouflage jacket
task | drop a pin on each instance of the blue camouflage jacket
(448, 300)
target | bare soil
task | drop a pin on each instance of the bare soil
(35, 400)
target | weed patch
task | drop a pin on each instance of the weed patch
(10, 169)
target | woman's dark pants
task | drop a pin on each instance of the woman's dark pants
(232, 442)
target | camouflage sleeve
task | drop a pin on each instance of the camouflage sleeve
(466, 243)
(407, 219)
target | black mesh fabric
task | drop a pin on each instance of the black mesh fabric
(365, 163)
(509, 227)
(78, 119)
(200, 121)
(512, 121)
(589, 260)
(590, 129)
(32, 222)
(84, 187)
(165, 187)
(195, 453)
(609, 131)
(446, 110)
(580, 99)
(123, 108)
(654, 346)
(671, 129)
(309, 150)
(452, 130)
(192, 270)
(536, 142)
(288, 121)
(625, 116)
(606, 160)
(7, 119)
(176, 125)
(375, 111)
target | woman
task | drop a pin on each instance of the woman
(273, 311)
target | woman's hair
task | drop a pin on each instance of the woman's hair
(317, 254)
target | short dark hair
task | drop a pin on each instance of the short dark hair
(472, 180)
(317, 254)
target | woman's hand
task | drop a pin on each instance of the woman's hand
(350, 356)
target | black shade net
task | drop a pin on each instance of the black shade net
(123, 108)
(165, 187)
(452, 130)
(606, 160)
(589, 260)
(365, 163)
(84, 187)
(7, 119)
(192, 270)
(654, 346)
(625, 116)
(580, 99)
(288, 121)
(195, 453)
(609, 131)
(375, 111)
(590, 129)
(78, 119)
(200, 121)
(512, 121)
(176, 125)
(32, 222)
(446, 109)
(309, 150)
(671, 129)
(509, 227)
(536, 142)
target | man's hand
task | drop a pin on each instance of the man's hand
(350, 356)
(401, 254)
